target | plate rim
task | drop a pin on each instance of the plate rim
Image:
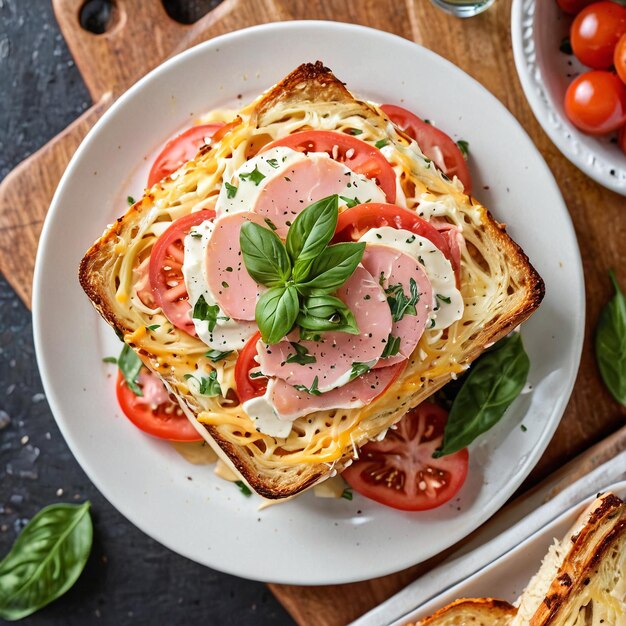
(542, 108)
(521, 471)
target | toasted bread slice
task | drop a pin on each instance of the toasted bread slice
(472, 612)
(499, 285)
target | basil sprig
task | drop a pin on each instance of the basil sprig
(45, 560)
(490, 387)
(130, 366)
(611, 344)
(301, 273)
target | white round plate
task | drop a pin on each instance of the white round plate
(307, 540)
(537, 29)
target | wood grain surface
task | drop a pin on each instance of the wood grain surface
(141, 35)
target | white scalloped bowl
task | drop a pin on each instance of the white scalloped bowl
(537, 29)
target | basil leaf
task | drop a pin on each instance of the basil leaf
(313, 390)
(276, 313)
(332, 268)
(217, 355)
(255, 176)
(207, 386)
(392, 347)
(301, 355)
(381, 143)
(46, 559)
(206, 312)
(611, 344)
(264, 255)
(358, 369)
(463, 147)
(130, 365)
(327, 313)
(231, 190)
(310, 233)
(493, 382)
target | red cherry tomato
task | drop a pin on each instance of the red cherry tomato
(364, 159)
(248, 388)
(596, 102)
(595, 32)
(355, 222)
(179, 150)
(166, 270)
(400, 471)
(573, 6)
(619, 58)
(434, 143)
(621, 139)
(154, 412)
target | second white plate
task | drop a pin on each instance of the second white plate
(188, 509)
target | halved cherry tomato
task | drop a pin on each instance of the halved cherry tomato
(619, 58)
(573, 6)
(595, 32)
(596, 102)
(364, 159)
(355, 222)
(248, 388)
(154, 412)
(400, 471)
(166, 270)
(179, 150)
(434, 143)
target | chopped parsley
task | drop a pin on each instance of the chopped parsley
(398, 301)
(254, 176)
(347, 493)
(195, 234)
(350, 202)
(256, 375)
(206, 312)
(301, 355)
(354, 131)
(392, 347)
(130, 200)
(271, 224)
(381, 143)
(207, 385)
(154, 326)
(109, 359)
(443, 298)
(463, 147)
(273, 163)
(313, 390)
(217, 355)
(523, 428)
(231, 190)
(358, 369)
(245, 490)
(411, 239)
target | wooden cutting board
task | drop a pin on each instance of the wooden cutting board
(141, 35)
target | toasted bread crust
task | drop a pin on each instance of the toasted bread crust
(477, 611)
(311, 83)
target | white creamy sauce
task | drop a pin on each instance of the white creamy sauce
(228, 334)
(262, 412)
(279, 162)
(447, 304)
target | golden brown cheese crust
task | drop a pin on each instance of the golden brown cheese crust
(474, 611)
(314, 83)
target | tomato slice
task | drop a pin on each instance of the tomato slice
(595, 102)
(166, 270)
(400, 471)
(154, 412)
(355, 222)
(595, 33)
(434, 143)
(363, 158)
(179, 150)
(248, 388)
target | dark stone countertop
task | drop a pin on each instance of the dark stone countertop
(129, 579)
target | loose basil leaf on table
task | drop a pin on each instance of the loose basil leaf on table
(46, 559)
(130, 366)
(611, 344)
(491, 385)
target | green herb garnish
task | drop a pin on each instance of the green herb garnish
(231, 190)
(463, 147)
(254, 176)
(301, 355)
(381, 143)
(245, 490)
(313, 390)
(392, 347)
(217, 355)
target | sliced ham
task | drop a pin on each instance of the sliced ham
(289, 403)
(392, 267)
(305, 181)
(232, 287)
(336, 352)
